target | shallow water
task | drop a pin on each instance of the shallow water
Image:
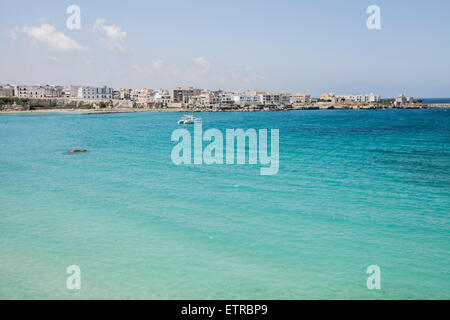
(355, 188)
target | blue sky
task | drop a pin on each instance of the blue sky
(296, 46)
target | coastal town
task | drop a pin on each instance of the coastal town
(108, 99)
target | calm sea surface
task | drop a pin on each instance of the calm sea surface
(355, 188)
(435, 100)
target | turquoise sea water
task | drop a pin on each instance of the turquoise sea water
(435, 100)
(355, 188)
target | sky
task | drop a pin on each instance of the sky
(281, 46)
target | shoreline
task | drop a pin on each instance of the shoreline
(202, 110)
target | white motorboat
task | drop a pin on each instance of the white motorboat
(189, 119)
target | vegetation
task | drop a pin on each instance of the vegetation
(386, 101)
(13, 100)
(68, 107)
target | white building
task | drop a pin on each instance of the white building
(329, 96)
(254, 92)
(183, 96)
(6, 91)
(53, 91)
(301, 98)
(70, 92)
(141, 95)
(95, 92)
(222, 98)
(121, 94)
(285, 98)
(33, 92)
(116, 94)
(270, 99)
(360, 97)
(161, 96)
(401, 100)
(245, 99)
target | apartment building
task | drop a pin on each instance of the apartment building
(141, 95)
(116, 94)
(329, 96)
(121, 94)
(271, 99)
(30, 92)
(301, 98)
(161, 96)
(69, 91)
(401, 100)
(180, 95)
(6, 91)
(95, 92)
(247, 99)
(221, 98)
(285, 98)
(254, 92)
(360, 97)
(53, 91)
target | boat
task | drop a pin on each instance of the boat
(76, 150)
(189, 119)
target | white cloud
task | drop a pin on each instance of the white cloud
(157, 64)
(138, 68)
(114, 37)
(197, 72)
(202, 64)
(46, 35)
(12, 33)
